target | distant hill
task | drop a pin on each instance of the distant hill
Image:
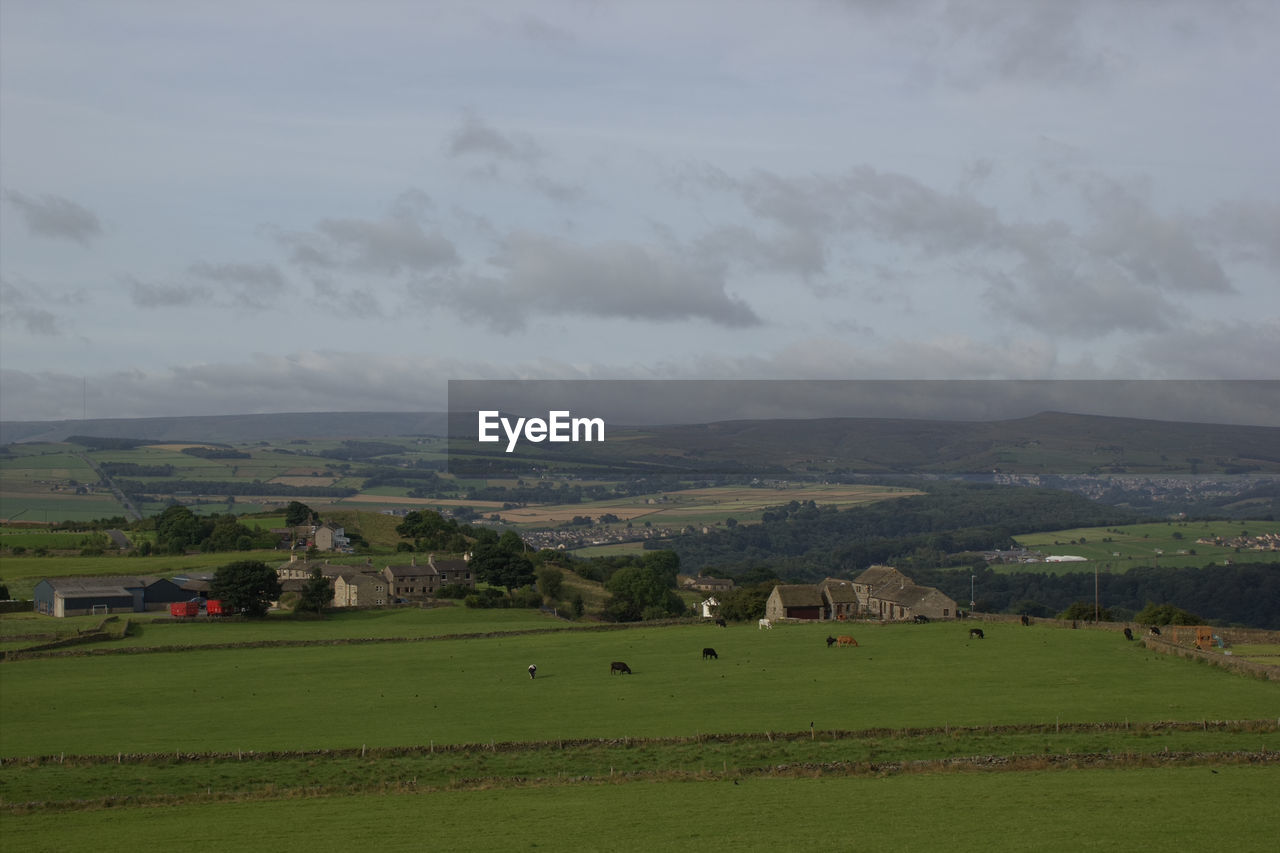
(233, 428)
(1047, 443)
(1050, 442)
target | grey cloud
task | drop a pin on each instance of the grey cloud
(145, 295)
(19, 311)
(393, 244)
(1153, 249)
(540, 275)
(1245, 350)
(476, 137)
(1121, 271)
(1248, 229)
(1036, 42)
(353, 302)
(556, 190)
(256, 285)
(56, 217)
(1060, 301)
(540, 31)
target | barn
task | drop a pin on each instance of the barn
(89, 595)
(795, 601)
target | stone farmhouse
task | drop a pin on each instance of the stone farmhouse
(365, 586)
(325, 537)
(418, 583)
(887, 594)
(705, 583)
(880, 592)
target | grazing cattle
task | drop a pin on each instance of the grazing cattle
(533, 670)
(921, 619)
(721, 623)
(845, 640)
(1128, 635)
(1026, 620)
(618, 666)
(764, 623)
(1155, 632)
(976, 633)
(831, 641)
(709, 652)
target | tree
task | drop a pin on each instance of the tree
(641, 592)
(247, 585)
(745, 602)
(297, 513)
(495, 565)
(1166, 614)
(1084, 611)
(178, 528)
(317, 593)
(550, 581)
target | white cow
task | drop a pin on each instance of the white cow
(765, 623)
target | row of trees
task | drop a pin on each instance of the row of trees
(178, 528)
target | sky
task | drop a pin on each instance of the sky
(282, 206)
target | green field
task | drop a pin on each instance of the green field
(1022, 735)
(460, 691)
(1045, 810)
(1173, 544)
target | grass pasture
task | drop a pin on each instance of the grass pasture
(703, 506)
(1137, 544)
(1039, 737)
(462, 691)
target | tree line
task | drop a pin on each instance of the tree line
(806, 541)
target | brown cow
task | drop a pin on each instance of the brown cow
(844, 640)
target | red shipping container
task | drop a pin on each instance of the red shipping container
(184, 608)
(213, 607)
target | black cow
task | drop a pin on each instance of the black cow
(1155, 632)
(921, 619)
(618, 666)
(1026, 620)
(1128, 635)
(721, 623)
(709, 652)
(976, 633)
(831, 641)
(533, 670)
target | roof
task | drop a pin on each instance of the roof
(354, 575)
(100, 584)
(839, 591)
(877, 575)
(410, 571)
(798, 595)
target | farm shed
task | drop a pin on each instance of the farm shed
(794, 601)
(86, 595)
(196, 583)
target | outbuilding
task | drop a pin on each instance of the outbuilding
(92, 595)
